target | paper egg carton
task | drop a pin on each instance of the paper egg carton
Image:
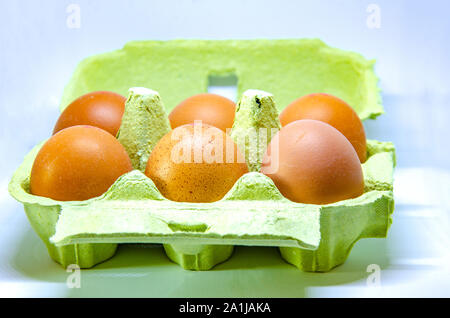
(200, 235)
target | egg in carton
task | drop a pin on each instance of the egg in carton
(200, 235)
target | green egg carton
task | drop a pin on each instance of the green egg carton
(200, 235)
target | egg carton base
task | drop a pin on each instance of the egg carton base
(198, 257)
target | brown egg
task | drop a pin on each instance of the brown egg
(195, 163)
(333, 111)
(211, 109)
(101, 109)
(312, 162)
(78, 163)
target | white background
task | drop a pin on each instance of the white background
(39, 51)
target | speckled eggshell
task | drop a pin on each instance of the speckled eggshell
(188, 180)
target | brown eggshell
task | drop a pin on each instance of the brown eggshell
(333, 111)
(102, 109)
(78, 163)
(185, 164)
(312, 162)
(211, 109)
